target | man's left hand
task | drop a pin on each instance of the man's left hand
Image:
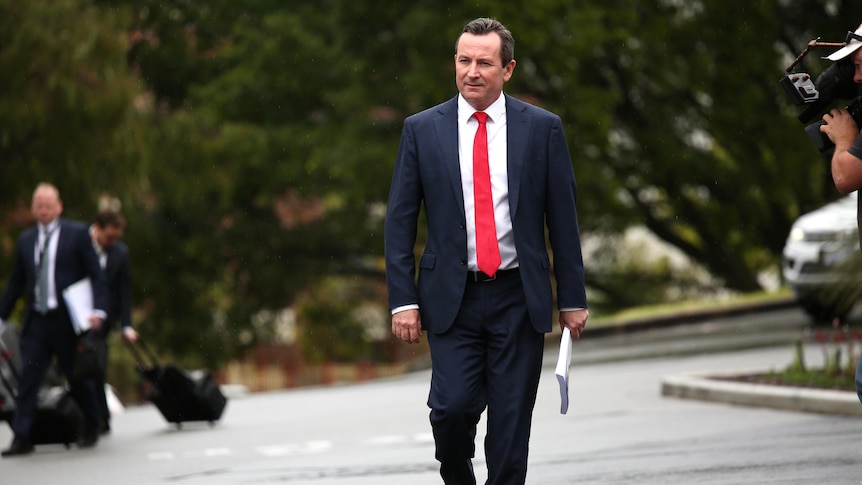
(575, 321)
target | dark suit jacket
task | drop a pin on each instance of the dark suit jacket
(542, 192)
(75, 260)
(119, 288)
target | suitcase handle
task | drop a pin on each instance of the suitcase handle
(144, 355)
(6, 356)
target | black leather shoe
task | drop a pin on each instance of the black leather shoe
(89, 439)
(17, 448)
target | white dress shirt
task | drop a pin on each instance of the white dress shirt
(498, 165)
(53, 228)
(100, 251)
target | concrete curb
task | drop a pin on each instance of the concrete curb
(705, 387)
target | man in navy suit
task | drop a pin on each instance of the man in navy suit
(114, 260)
(50, 257)
(485, 328)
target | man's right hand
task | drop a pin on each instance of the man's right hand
(130, 335)
(407, 326)
(840, 127)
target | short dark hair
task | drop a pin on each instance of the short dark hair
(108, 217)
(484, 26)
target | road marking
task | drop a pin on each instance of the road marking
(400, 439)
(288, 449)
(217, 452)
(160, 455)
(387, 440)
(306, 448)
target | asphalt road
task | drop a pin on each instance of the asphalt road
(619, 429)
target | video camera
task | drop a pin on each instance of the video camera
(836, 82)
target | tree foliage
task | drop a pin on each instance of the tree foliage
(66, 91)
(251, 143)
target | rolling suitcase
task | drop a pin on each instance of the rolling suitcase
(180, 395)
(58, 417)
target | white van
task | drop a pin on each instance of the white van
(820, 243)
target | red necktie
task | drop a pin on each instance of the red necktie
(487, 250)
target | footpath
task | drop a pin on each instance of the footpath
(778, 323)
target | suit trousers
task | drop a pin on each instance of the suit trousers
(490, 357)
(44, 337)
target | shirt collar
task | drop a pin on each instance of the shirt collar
(98, 247)
(496, 111)
(51, 226)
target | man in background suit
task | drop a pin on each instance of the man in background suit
(483, 292)
(106, 232)
(50, 257)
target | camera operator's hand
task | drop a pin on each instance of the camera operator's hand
(840, 127)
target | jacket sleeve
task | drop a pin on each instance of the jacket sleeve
(562, 221)
(400, 226)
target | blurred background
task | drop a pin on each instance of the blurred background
(250, 145)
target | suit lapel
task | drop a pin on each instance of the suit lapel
(517, 136)
(446, 126)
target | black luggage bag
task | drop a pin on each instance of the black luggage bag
(58, 420)
(180, 395)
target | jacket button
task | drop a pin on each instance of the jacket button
(463, 261)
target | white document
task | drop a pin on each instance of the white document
(562, 371)
(79, 301)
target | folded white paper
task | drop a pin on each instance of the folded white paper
(79, 301)
(562, 371)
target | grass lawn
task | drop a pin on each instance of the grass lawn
(810, 378)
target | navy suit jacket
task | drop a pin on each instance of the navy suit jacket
(542, 193)
(119, 288)
(75, 260)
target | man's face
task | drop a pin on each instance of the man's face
(108, 236)
(46, 205)
(479, 72)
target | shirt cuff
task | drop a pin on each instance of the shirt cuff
(400, 309)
